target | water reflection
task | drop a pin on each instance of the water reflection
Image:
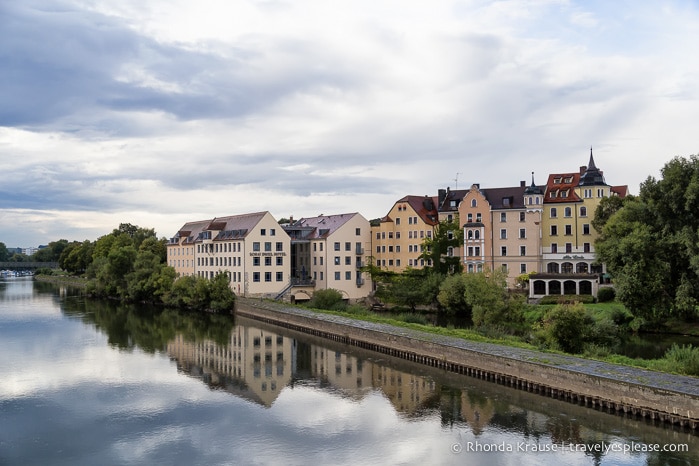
(112, 375)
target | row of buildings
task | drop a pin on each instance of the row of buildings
(522, 229)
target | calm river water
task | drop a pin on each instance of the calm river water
(95, 383)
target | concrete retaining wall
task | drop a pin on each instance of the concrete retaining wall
(591, 390)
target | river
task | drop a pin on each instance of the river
(91, 382)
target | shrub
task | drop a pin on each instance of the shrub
(413, 318)
(567, 299)
(326, 299)
(568, 327)
(606, 294)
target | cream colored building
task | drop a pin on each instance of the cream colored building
(397, 238)
(328, 252)
(252, 248)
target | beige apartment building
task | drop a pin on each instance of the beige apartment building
(502, 229)
(252, 248)
(397, 238)
(328, 252)
(180, 248)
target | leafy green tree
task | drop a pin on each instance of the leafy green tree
(491, 303)
(607, 207)
(651, 245)
(221, 297)
(568, 327)
(440, 249)
(4, 253)
(326, 299)
(76, 257)
(452, 295)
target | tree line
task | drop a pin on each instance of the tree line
(130, 264)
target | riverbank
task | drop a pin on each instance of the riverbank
(65, 280)
(668, 398)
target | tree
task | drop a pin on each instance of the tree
(4, 253)
(439, 249)
(452, 294)
(607, 207)
(651, 245)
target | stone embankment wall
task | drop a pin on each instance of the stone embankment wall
(607, 393)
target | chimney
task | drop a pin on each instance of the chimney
(442, 194)
(522, 184)
(291, 219)
(583, 169)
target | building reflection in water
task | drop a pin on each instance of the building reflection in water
(257, 364)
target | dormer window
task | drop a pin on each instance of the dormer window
(564, 193)
(568, 180)
(557, 180)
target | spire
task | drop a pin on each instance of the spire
(591, 164)
(533, 189)
(533, 179)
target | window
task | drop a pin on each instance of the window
(554, 248)
(272, 232)
(348, 260)
(337, 246)
(503, 216)
(450, 234)
(263, 231)
(586, 228)
(569, 230)
(503, 233)
(522, 250)
(588, 193)
(600, 192)
(337, 275)
(470, 251)
(586, 247)
(567, 212)
(268, 261)
(583, 211)
(554, 212)
(280, 246)
(378, 236)
(522, 268)
(522, 216)
(280, 260)
(256, 246)
(358, 231)
(477, 251)
(348, 275)
(479, 218)
(504, 268)
(522, 233)
(256, 261)
(268, 276)
(503, 250)
(469, 218)
(569, 248)
(337, 260)
(473, 203)
(256, 276)
(554, 230)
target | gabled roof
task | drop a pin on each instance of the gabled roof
(233, 226)
(190, 230)
(562, 185)
(319, 227)
(505, 198)
(445, 197)
(424, 206)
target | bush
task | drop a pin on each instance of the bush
(606, 294)
(413, 318)
(568, 327)
(328, 299)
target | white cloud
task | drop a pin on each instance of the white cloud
(175, 111)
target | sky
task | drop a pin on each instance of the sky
(159, 112)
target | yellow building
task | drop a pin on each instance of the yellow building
(397, 238)
(569, 264)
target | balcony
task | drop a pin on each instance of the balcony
(359, 251)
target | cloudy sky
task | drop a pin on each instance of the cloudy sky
(157, 112)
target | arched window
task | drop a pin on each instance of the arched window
(566, 267)
(469, 235)
(567, 212)
(478, 234)
(583, 211)
(581, 267)
(473, 203)
(552, 267)
(569, 287)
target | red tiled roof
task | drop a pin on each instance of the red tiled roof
(562, 187)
